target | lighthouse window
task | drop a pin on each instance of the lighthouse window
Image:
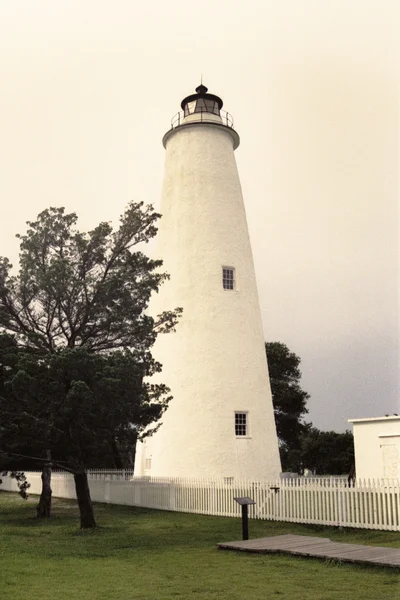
(202, 105)
(190, 108)
(240, 424)
(228, 278)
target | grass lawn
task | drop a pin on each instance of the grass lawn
(156, 555)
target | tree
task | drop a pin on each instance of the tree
(79, 404)
(327, 452)
(85, 291)
(301, 444)
(289, 401)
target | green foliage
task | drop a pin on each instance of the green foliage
(84, 289)
(86, 292)
(22, 482)
(10, 435)
(289, 401)
(78, 403)
(327, 452)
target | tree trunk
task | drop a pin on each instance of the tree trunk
(84, 500)
(43, 509)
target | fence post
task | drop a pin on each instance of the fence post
(340, 507)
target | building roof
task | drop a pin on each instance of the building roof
(369, 419)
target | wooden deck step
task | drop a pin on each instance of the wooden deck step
(317, 547)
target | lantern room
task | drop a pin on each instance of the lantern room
(201, 102)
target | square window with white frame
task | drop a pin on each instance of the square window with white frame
(228, 278)
(241, 424)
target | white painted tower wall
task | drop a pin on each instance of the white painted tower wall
(215, 363)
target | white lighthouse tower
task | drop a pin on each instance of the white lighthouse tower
(220, 422)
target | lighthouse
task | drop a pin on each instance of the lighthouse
(220, 422)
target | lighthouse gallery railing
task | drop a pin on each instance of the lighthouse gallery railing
(203, 116)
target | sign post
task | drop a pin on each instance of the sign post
(244, 503)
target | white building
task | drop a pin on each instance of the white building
(377, 447)
(220, 422)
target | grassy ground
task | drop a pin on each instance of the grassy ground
(153, 555)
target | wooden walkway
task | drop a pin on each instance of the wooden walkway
(317, 547)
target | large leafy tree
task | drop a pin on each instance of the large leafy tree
(86, 291)
(289, 401)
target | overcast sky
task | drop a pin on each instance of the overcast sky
(88, 88)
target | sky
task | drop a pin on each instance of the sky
(88, 88)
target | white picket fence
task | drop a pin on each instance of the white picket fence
(370, 504)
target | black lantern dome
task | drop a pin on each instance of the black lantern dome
(201, 102)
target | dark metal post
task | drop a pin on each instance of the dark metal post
(245, 521)
(244, 503)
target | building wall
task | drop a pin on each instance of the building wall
(377, 447)
(215, 363)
